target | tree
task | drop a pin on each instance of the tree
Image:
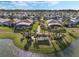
(11, 17)
(58, 32)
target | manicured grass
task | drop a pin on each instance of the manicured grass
(78, 25)
(42, 50)
(34, 27)
(7, 33)
(16, 37)
(7, 29)
(70, 35)
(55, 46)
(46, 28)
(74, 31)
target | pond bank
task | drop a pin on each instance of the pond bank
(15, 37)
(70, 51)
(8, 49)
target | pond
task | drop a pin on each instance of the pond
(8, 49)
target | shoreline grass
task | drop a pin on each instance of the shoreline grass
(15, 37)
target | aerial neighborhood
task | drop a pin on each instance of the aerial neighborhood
(71, 17)
(43, 31)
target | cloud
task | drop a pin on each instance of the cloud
(54, 2)
(27, 4)
(19, 3)
(42, 4)
(45, 2)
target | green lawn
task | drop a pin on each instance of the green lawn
(74, 31)
(78, 25)
(55, 46)
(34, 27)
(7, 33)
(42, 50)
(70, 35)
(7, 29)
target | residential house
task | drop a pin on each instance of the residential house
(24, 24)
(53, 23)
(6, 22)
(73, 22)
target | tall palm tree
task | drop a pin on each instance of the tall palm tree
(11, 20)
(11, 17)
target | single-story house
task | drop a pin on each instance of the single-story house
(6, 22)
(3, 20)
(73, 22)
(42, 39)
(53, 23)
(9, 23)
(23, 24)
(35, 18)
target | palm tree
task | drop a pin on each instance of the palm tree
(11, 17)
(11, 20)
(57, 33)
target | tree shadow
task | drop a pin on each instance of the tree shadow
(63, 44)
(68, 52)
(22, 39)
(36, 45)
(72, 35)
(55, 51)
(64, 52)
(28, 44)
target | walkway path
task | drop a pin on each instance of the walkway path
(38, 29)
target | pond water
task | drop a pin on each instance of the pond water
(8, 49)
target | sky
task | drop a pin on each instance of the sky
(46, 5)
